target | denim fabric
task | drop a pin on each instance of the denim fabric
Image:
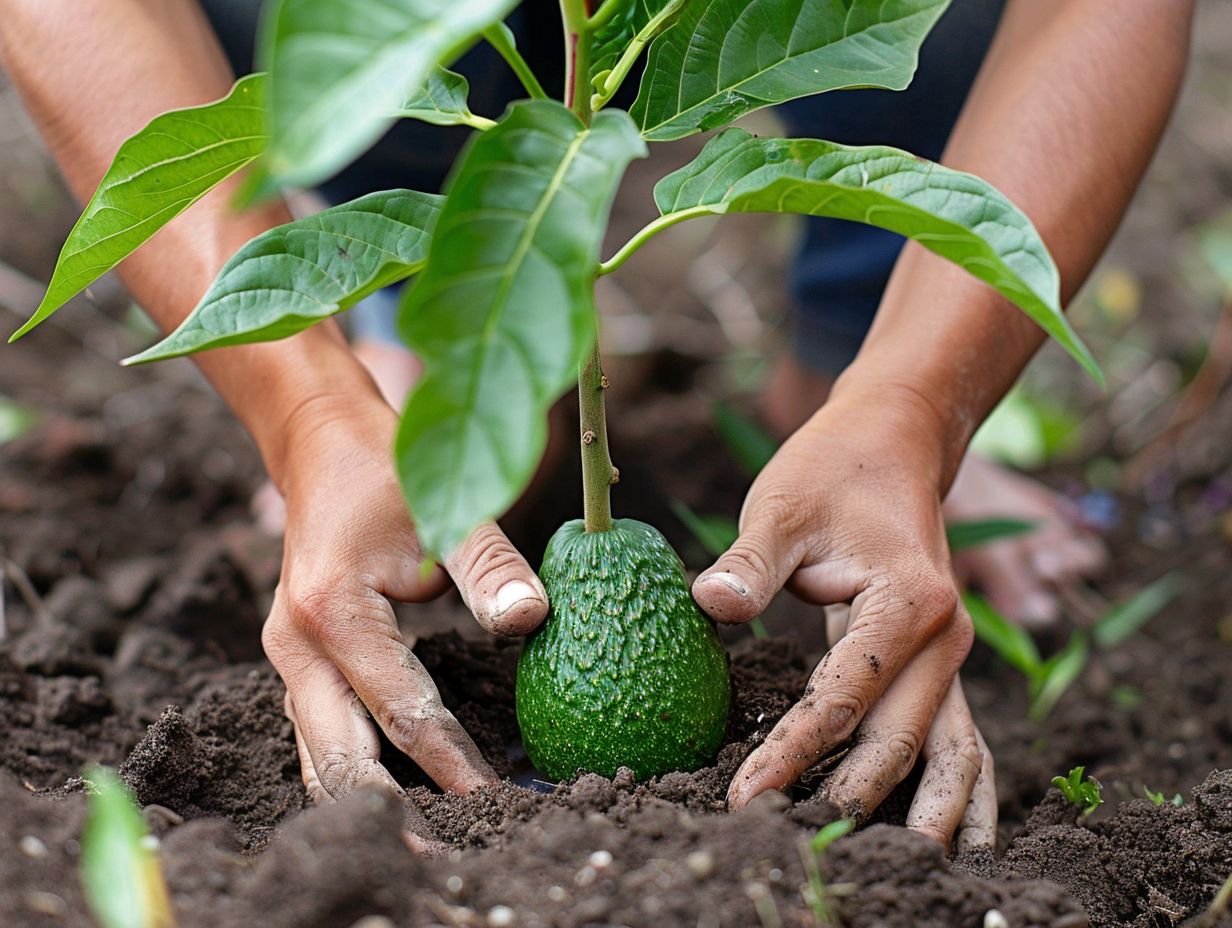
(840, 268)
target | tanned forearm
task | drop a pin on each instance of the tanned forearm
(91, 75)
(1063, 119)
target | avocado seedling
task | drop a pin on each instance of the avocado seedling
(1082, 791)
(817, 895)
(502, 311)
(120, 872)
(1049, 678)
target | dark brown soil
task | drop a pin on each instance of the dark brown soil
(136, 585)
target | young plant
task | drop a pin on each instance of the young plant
(1159, 798)
(817, 895)
(1049, 678)
(120, 873)
(1082, 791)
(502, 310)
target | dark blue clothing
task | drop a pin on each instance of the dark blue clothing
(840, 268)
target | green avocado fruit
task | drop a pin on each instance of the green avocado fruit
(626, 671)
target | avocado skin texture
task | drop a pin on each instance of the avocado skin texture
(626, 670)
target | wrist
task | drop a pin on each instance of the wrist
(290, 393)
(929, 435)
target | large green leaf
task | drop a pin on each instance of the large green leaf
(953, 214)
(156, 175)
(340, 68)
(504, 311)
(442, 102)
(297, 274)
(724, 58)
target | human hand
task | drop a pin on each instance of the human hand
(848, 511)
(350, 548)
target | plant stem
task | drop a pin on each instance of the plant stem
(598, 474)
(575, 14)
(1220, 903)
(501, 39)
(620, 70)
(603, 14)
(649, 231)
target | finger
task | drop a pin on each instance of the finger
(1070, 558)
(886, 631)
(979, 822)
(955, 761)
(415, 831)
(739, 585)
(362, 639)
(497, 584)
(308, 771)
(894, 732)
(338, 736)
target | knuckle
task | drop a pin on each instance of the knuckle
(333, 769)
(903, 748)
(407, 721)
(837, 713)
(969, 752)
(489, 551)
(933, 603)
(313, 613)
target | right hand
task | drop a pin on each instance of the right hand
(349, 549)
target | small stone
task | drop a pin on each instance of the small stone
(700, 864)
(46, 904)
(994, 919)
(374, 921)
(585, 876)
(454, 885)
(600, 860)
(557, 893)
(501, 916)
(33, 847)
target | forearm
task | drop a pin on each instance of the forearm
(115, 66)
(1064, 120)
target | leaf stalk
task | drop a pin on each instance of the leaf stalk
(649, 231)
(499, 38)
(614, 78)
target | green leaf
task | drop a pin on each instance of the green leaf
(714, 533)
(156, 175)
(634, 24)
(120, 874)
(828, 834)
(964, 535)
(340, 68)
(1123, 620)
(442, 102)
(295, 275)
(1057, 675)
(504, 311)
(724, 58)
(1012, 644)
(752, 445)
(1086, 793)
(953, 214)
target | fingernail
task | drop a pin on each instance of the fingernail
(729, 580)
(512, 593)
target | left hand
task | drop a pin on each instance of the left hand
(849, 511)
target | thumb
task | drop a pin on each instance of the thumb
(740, 584)
(497, 584)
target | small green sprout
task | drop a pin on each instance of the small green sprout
(817, 895)
(1080, 790)
(1049, 678)
(120, 873)
(1159, 799)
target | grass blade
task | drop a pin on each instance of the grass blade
(1123, 620)
(1012, 644)
(972, 534)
